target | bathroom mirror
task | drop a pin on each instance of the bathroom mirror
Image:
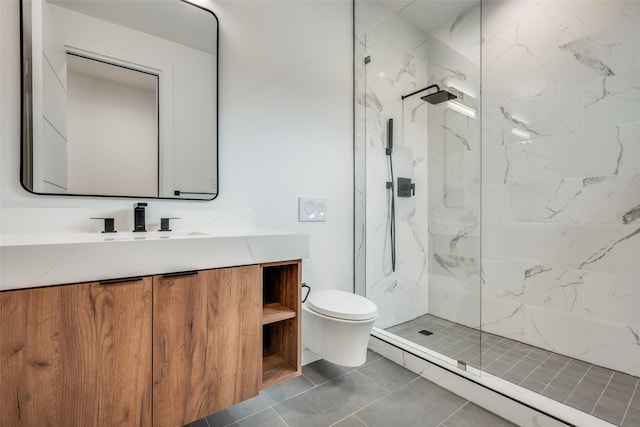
(119, 98)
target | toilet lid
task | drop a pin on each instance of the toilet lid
(342, 305)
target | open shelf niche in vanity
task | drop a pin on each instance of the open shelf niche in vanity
(281, 328)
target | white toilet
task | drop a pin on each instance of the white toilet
(336, 326)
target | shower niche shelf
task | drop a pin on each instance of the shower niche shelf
(281, 331)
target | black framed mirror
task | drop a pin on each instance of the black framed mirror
(119, 98)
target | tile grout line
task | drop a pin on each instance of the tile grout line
(334, 378)
(557, 374)
(270, 406)
(383, 397)
(279, 416)
(536, 368)
(358, 418)
(603, 390)
(453, 413)
(513, 365)
(576, 386)
(626, 412)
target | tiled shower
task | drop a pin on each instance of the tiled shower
(525, 223)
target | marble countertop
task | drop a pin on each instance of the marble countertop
(42, 259)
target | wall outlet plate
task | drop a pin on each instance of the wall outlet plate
(312, 209)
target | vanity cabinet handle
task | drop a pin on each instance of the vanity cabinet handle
(120, 280)
(181, 273)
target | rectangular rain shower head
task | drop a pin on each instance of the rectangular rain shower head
(438, 97)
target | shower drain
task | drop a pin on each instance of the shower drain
(425, 332)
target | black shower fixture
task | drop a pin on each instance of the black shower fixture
(436, 97)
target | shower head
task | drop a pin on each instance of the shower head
(438, 97)
(435, 98)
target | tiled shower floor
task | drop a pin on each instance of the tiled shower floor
(604, 393)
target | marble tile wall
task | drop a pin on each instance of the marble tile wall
(397, 52)
(454, 172)
(561, 192)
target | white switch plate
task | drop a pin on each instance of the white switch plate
(312, 209)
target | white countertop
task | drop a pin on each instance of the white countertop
(30, 260)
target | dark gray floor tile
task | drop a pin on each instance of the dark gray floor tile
(515, 376)
(577, 366)
(600, 371)
(239, 411)
(567, 378)
(330, 402)
(558, 359)
(287, 389)
(472, 415)
(543, 375)
(475, 362)
(526, 366)
(372, 356)
(350, 421)
(266, 398)
(423, 340)
(635, 401)
(611, 410)
(387, 374)
(505, 344)
(594, 382)
(534, 385)
(266, 418)
(584, 397)
(623, 379)
(469, 354)
(490, 356)
(553, 364)
(420, 403)
(322, 371)
(498, 368)
(199, 423)
(557, 391)
(632, 418)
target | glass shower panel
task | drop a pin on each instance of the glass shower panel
(417, 166)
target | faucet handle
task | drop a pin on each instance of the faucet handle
(109, 225)
(164, 224)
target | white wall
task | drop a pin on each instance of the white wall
(285, 130)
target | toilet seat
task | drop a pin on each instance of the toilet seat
(342, 305)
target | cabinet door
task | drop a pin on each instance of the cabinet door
(76, 355)
(206, 342)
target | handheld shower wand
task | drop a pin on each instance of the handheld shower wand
(391, 213)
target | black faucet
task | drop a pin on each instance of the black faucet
(139, 222)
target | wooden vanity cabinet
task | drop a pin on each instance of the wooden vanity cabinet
(163, 350)
(76, 355)
(206, 342)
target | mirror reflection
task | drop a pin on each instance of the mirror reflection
(119, 98)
